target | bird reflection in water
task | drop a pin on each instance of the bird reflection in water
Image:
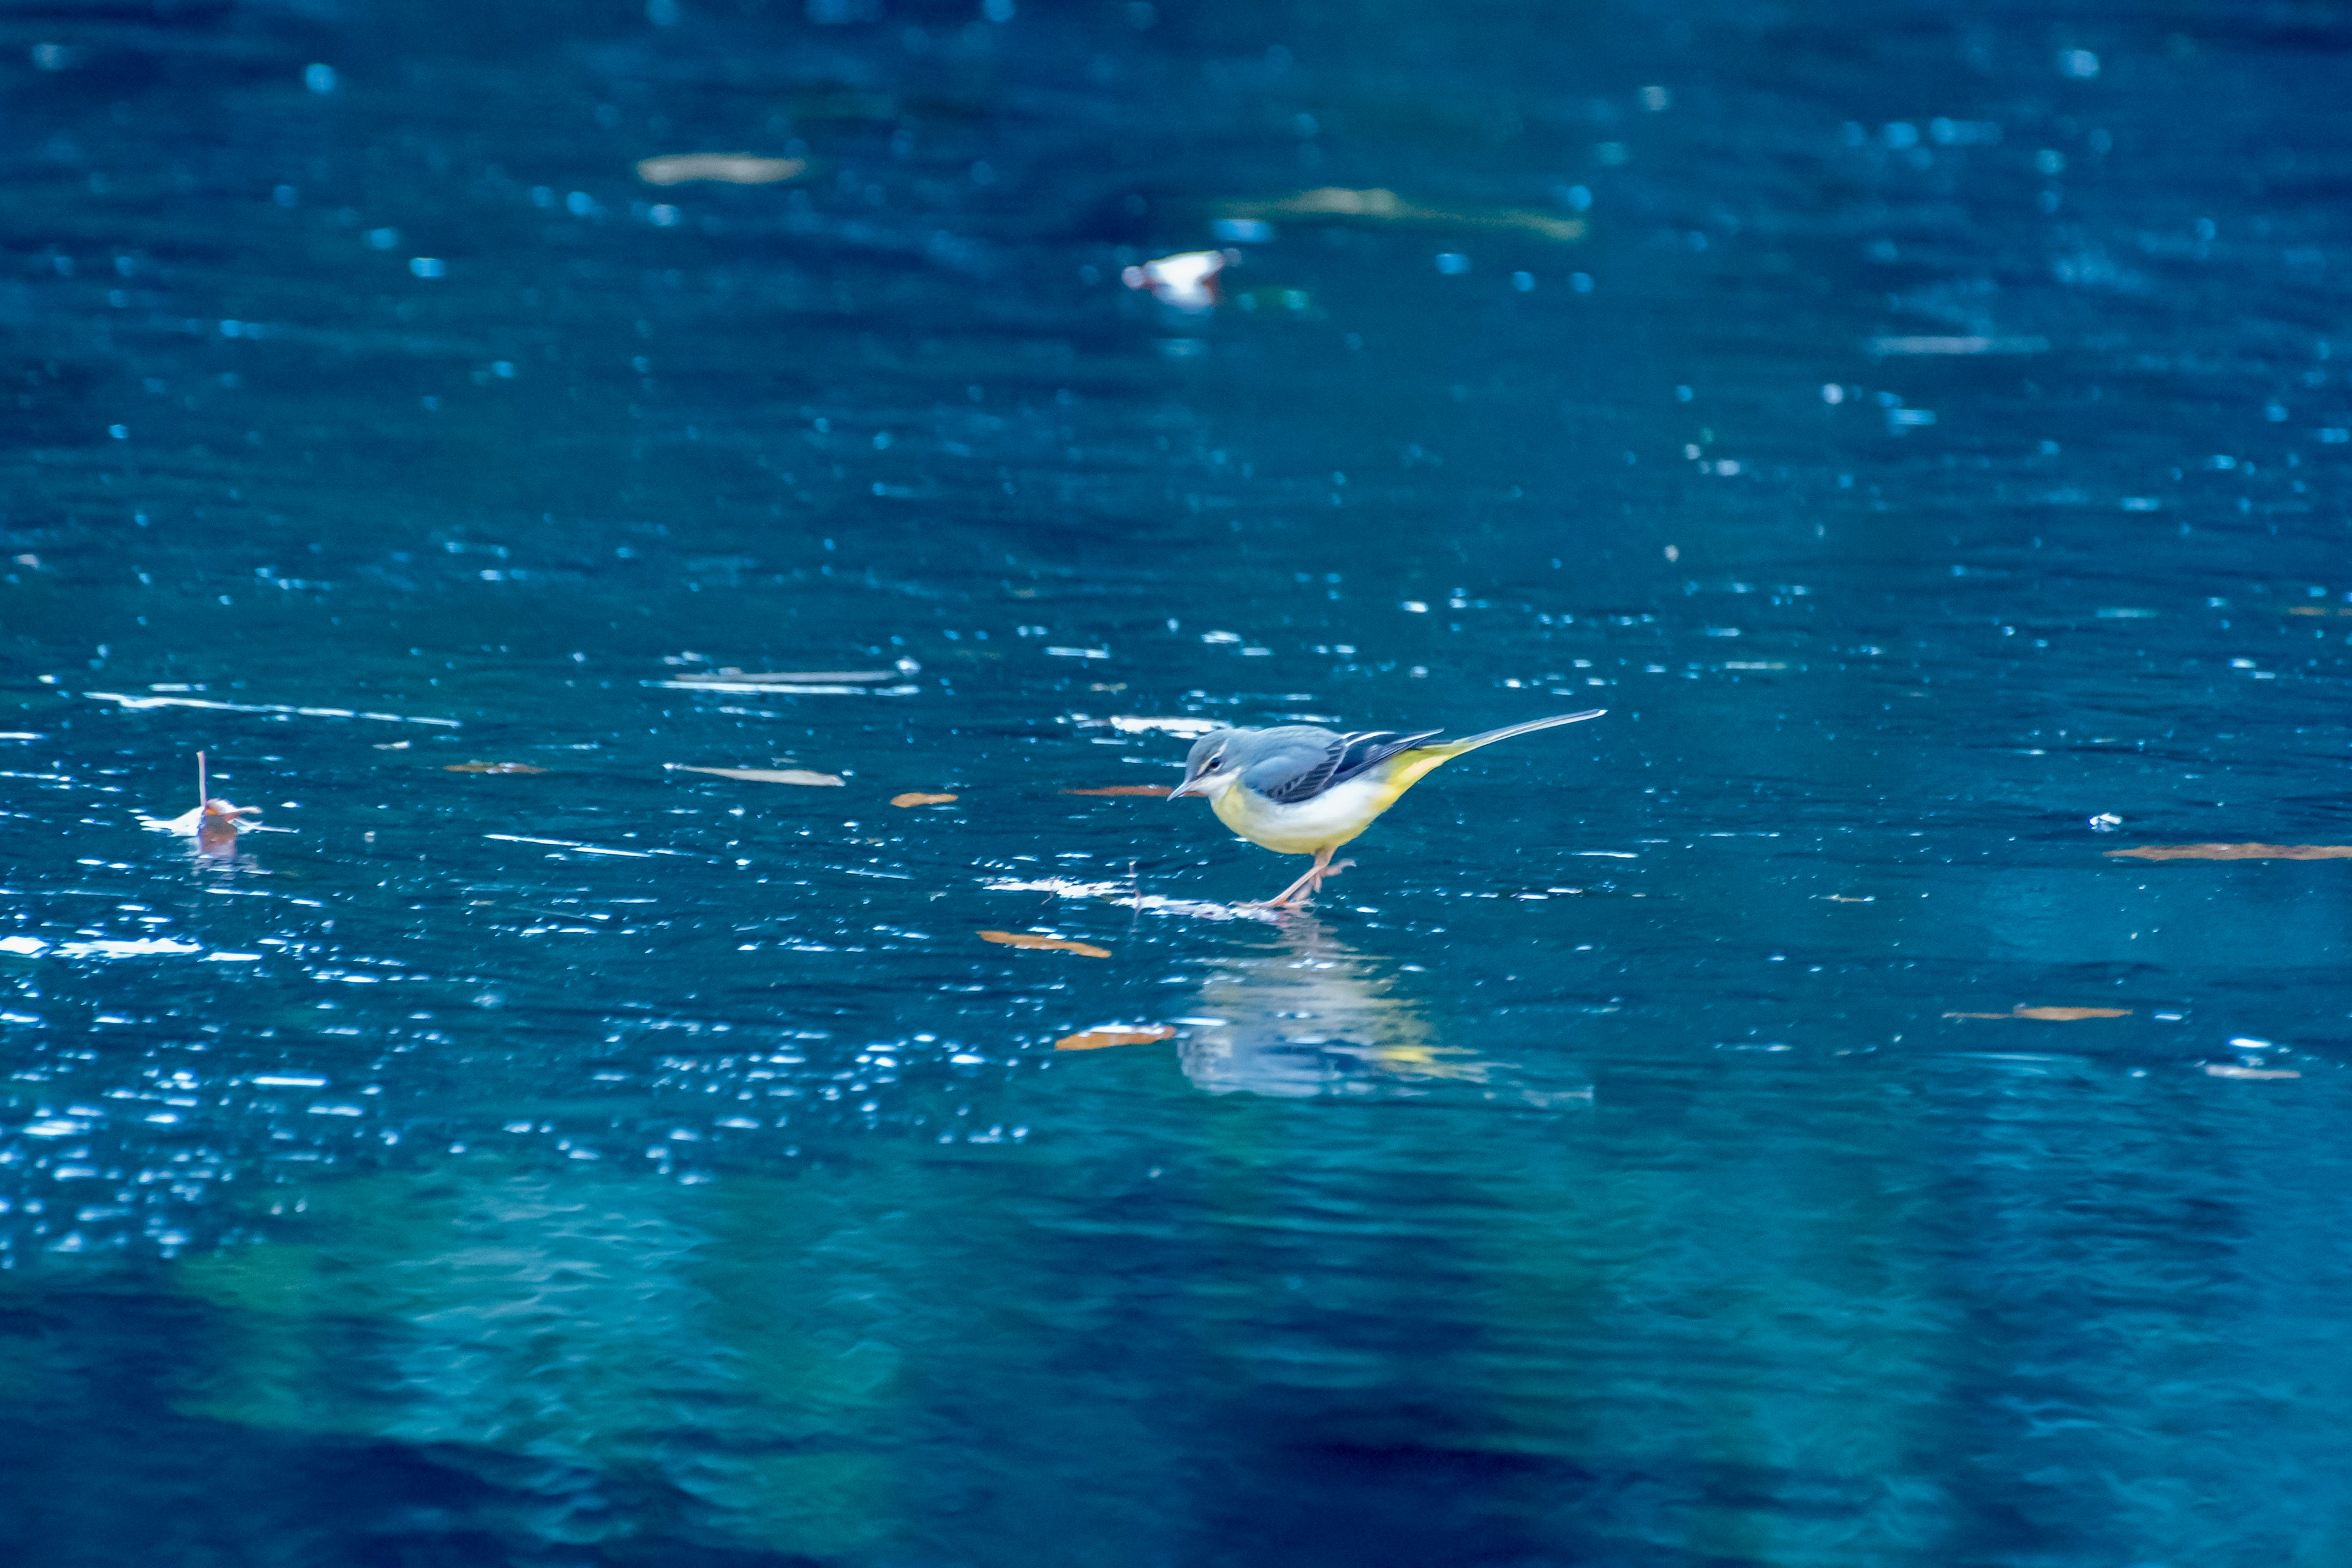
(1314, 1017)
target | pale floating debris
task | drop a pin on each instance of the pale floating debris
(761, 775)
(2226, 1070)
(1079, 652)
(2106, 822)
(54, 1127)
(133, 947)
(1034, 940)
(2234, 852)
(1386, 206)
(289, 1080)
(1611, 853)
(214, 817)
(19, 735)
(491, 768)
(325, 1109)
(213, 823)
(24, 946)
(2050, 1015)
(1104, 1035)
(724, 168)
(784, 676)
(1188, 729)
(779, 688)
(1969, 345)
(1187, 280)
(917, 797)
(133, 700)
(1125, 893)
(232, 958)
(567, 844)
(2248, 1043)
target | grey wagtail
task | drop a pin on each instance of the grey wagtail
(1297, 789)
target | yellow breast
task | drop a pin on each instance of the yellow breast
(1307, 827)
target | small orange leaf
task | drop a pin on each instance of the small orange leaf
(917, 797)
(1031, 939)
(2225, 1069)
(2050, 1015)
(2236, 852)
(1108, 1035)
(1122, 789)
(2070, 1015)
(491, 768)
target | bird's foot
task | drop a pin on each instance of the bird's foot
(1295, 896)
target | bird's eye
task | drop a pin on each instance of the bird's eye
(1214, 765)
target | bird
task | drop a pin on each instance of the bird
(1300, 789)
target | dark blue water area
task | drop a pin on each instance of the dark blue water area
(1792, 1119)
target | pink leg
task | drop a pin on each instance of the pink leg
(1290, 898)
(1323, 874)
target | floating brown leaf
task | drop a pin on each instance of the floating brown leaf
(1031, 939)
(727, 168)
(2050, 1015)
(2070, 1015)
(761, 775)
(1110, 1035)
(2234, 852)
(1122, 789)
(491, 768)
(917, 797)
(2226, 1070)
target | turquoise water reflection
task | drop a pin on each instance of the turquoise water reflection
(1675, 1322)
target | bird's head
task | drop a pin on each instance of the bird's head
(1209, 770)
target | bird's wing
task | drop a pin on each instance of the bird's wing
(1320, 759)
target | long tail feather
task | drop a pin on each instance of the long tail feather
(1488, 737)
(1412, 766)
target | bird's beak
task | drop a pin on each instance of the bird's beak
(1187, 787)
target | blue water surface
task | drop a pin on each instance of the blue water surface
(1773, 1124)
